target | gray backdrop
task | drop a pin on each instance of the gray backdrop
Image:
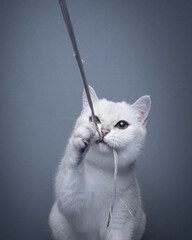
(130, 48)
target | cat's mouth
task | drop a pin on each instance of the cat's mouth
(101, 141)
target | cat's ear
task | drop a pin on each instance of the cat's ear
(142, 107)
(93, 95)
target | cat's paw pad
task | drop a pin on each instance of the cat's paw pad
(83, 134)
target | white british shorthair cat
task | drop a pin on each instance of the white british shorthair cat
(85, 179)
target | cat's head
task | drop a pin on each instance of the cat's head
(122, 125)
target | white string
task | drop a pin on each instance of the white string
(126, 207)
(115, 187)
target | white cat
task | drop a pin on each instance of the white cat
(85, 182)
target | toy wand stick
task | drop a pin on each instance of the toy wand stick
(68, 23)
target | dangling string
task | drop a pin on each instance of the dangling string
(68, 23)
(115, 187)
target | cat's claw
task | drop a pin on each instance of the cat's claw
(85, 142)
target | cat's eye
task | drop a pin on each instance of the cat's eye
(122, 124)
(97, 119)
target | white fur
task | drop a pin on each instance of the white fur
(84, 182)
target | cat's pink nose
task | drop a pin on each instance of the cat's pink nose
(104, 132)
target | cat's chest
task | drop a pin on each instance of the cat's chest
(99, 183)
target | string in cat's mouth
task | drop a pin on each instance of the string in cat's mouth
(101, 141)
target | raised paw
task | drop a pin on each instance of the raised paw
(83, 135)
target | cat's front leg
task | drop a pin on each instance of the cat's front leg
(71, 191)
